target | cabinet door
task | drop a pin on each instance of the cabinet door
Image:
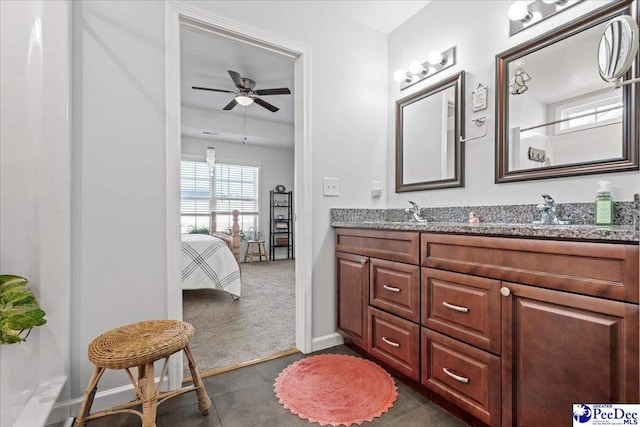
(560, 349)
(353, 297)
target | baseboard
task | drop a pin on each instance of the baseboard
(326, 341)
(40, 404)
(103, 400)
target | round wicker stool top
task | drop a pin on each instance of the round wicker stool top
(139, 343)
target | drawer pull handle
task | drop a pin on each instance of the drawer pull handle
(456, 377)
(391, 343)
(456, 307)
(391, 288)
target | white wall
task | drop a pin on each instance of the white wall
(35, 199)
(118, 205)
(276, 167)
(119, 151)
(479, 29)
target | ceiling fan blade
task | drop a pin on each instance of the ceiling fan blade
(266, 105)
(230, 105)
(237, 79)
(278, 91)
(212, 90)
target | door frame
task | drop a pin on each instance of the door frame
(178, 14)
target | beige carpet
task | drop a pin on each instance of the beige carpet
(260, 324)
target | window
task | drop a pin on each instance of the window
(195, 195)
(236, 188)
(589, 113)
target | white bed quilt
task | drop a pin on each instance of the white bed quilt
(207, 263)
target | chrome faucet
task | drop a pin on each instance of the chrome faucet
(548, 214)
(415, 212)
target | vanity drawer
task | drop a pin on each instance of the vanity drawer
(462, 374)
(395, 288)
(462, 306)
(395, 341)
(392, 245)
(599, 269)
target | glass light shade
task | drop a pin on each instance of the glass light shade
(518, 11)
(434, 57)
(416, 68)
(244, 100)
(400, 75)
(211, 160)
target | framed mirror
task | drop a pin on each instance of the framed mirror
(429, 154)
(555, 116)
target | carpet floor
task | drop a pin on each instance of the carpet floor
(259, 324)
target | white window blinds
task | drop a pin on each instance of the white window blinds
(195, 188)
(236, 188)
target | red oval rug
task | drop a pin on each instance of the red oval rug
(334, 389)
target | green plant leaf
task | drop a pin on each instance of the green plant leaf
(36, 316)
(9, 337)
(9, 281)
(19, 309)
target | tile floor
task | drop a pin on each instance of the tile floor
(245, 397)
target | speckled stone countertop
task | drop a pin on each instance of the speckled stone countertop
(512, 220)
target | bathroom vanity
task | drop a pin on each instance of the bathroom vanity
(507, 330)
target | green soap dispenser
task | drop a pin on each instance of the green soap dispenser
(604, 204)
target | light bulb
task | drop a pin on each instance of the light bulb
(244, 100)
(400, 76)
(416, 68)
(518, 11)
(434, 57)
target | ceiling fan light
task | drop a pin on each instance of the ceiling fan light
(244, 100)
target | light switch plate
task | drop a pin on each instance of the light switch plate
(330, 187)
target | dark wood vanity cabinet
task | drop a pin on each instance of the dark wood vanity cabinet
(561, 348)
(353, 298)
(511, 331)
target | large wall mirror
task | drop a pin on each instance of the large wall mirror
(429, 153)
(555, 116)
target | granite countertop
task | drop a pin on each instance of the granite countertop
(620, 233)
(506, 220)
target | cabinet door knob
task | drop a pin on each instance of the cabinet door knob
(363, 261)
(505, 291)
(464, 380)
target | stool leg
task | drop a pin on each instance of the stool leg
(149, 395)
(247, 252)
(85, 408)
(204, 403)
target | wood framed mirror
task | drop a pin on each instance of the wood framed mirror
(429, 154)
(555, 116)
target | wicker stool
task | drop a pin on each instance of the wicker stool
(252, 245)
(139, 345)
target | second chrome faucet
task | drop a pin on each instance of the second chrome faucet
(415, 212)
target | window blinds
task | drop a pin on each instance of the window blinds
(236, 188)
(195, 188)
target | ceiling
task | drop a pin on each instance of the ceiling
(383, 16)
(205, 59)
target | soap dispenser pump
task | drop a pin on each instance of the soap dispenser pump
(603, 211)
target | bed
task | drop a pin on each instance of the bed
(211, 261)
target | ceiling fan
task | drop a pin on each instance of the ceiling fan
(244, 93)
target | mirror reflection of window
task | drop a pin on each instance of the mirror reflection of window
(567, 111)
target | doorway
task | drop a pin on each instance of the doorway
(177, 16)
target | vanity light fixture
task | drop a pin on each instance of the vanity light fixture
(402, 76)
(418, 71)
(523, 14)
